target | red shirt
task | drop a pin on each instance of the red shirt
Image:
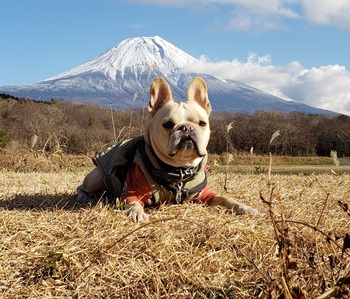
(137, 189)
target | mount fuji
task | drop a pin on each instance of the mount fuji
(121, 78)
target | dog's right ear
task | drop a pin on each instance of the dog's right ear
(160, 94)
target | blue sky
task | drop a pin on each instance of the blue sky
(295, 49)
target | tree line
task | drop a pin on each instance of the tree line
(300, 134)
(60, 126)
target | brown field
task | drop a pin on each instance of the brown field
(53, 247)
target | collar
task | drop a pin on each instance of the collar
(171, 178)
(170, 173)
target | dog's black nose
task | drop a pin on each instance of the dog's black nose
(186, 128)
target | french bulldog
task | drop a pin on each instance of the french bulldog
(167, 164)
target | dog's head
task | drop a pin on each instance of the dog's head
(179, 132)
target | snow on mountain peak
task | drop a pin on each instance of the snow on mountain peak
(139, 54)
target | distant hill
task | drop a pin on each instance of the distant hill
(122, 76)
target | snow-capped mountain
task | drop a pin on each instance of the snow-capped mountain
(134, 55)
(121, 77)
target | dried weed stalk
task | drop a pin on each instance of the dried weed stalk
(228, 129)
(303, 260)
(335, 160)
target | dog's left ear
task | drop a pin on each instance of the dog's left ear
(160, 94)
(197, 92)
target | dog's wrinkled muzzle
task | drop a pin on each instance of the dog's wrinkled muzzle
(185, 137)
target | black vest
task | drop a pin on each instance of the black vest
(167, 183)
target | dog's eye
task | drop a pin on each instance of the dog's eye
(168, 125)
(202, 123)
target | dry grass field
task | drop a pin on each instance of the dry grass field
(53, 247)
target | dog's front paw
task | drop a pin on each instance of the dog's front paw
(241, 209)
(136, 213)
(234, 206)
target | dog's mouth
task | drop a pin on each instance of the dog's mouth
(187, 143)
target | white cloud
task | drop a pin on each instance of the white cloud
(325, 87)
(257, 14)
(334, 12)
(246, 22)
(136, 26)
(252, 15)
